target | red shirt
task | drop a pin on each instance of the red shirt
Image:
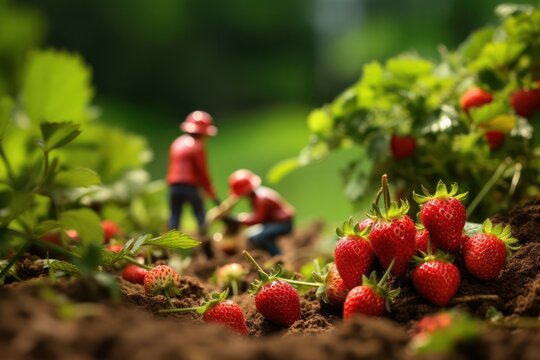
(268, 207)
(187, 164)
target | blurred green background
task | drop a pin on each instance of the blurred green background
(257, 67)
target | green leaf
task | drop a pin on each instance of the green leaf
(320, 121)
(77, 177)
(506, 10)
(409, 66)
(471, 48)
(46, 226)
(110, 257)
(56, 87)
(90, 259)
(472, 228)
(173, 240)
(64, 266)
(357, 179)
(281, 169)
(6, 108)
(86, 222)
(488, 111)
(57, 134)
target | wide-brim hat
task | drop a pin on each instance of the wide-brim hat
(200, 123)
(243, 181)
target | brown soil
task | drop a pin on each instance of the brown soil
(78, 322)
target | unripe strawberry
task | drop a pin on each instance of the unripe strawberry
(353, 254)
(475, 97)
(444, 216)
(370, 298)
(162, 279)
(485, 253)
(115, 248)
(331, 287)
(436, 278)
(134, 274)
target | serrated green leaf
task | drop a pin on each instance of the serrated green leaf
(64, 266)
(56, 87)
(281, 169)
(6, 107)
(110, 257)
(85, 222)
(174, 240)
(58, 134)
(77, 177)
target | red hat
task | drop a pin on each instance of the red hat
(199, 122)
(243, 181)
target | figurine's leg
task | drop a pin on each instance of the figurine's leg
(198, 210)
(264, 236)
(176, 202)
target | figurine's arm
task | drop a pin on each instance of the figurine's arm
(202, 173)
(256, 217)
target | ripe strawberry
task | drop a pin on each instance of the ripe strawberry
(421, 240)
(331, 288)
(392, 233)
(134, 274)
(402, 147)
(54, 236)
(162, 279)
(353, 254)
(115, 248)
(371, 297)
(475, 97)
(227, 313)
(494, 139)
(275, 299)
(485, 253)
(444, 216)
(526, 102)
(110, 230)
(436, 278)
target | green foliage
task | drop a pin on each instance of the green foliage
(410, 95)
(173, 240)
(86, 222)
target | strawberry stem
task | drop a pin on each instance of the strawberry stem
(252, 261)
(489, 184)
(135, 262)
(180, 310)
(234, 286)
(300, 283)
(385, 276)
(385, 192)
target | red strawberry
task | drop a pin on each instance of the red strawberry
(331, 288)
(526, 102)
(436, 278)
(402, 147)
(431, 323)
(444, 216)
(353, 254)
(494, 139)
(115, 248)
(364, 224)
(475, 97)
(278, 302)
(421, 240)
(162, 279)
(369, 298)
(392, 233)
(485, 253)
(53, 236)
(218, 310)
(134, 274)
(110, 230)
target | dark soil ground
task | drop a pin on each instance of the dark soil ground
(77, 321)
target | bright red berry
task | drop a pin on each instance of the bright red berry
(421, 240)
(526, 102)
(494, 139)
(370, 298)
(444, 216)
(227, 313)
(485, 253)
(436, 279)
(162, 279)
(475, 97)
(392, 233)
(353, 254)
(110, 230)
(402, 147)
(278, 302)
(134, 274)
(336, 290)
(115, 248)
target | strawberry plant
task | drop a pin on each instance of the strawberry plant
(472, 115)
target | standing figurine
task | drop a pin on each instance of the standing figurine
(271, 217)
(188, 172)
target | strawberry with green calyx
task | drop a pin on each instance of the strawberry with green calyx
(331, 287)
(162, 280)
(353, 253)
(435, 277)
(444, 216)
(392, 233)
(486, 253)
(475, 97)
(275, 298)
(370, 298)
(218, 310)
(229, 275)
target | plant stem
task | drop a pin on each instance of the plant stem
(252, 261)
(386, 193)
(166, 293)
(15, 258)
(57, 248)
(179, 310)
(489, 184)
(301, 283)
(234, 286)
(385, 276)
(135, 262)
(9, 169)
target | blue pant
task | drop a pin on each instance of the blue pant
(180, 194)
(264, 236)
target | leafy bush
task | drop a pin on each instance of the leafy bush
(420, 99)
